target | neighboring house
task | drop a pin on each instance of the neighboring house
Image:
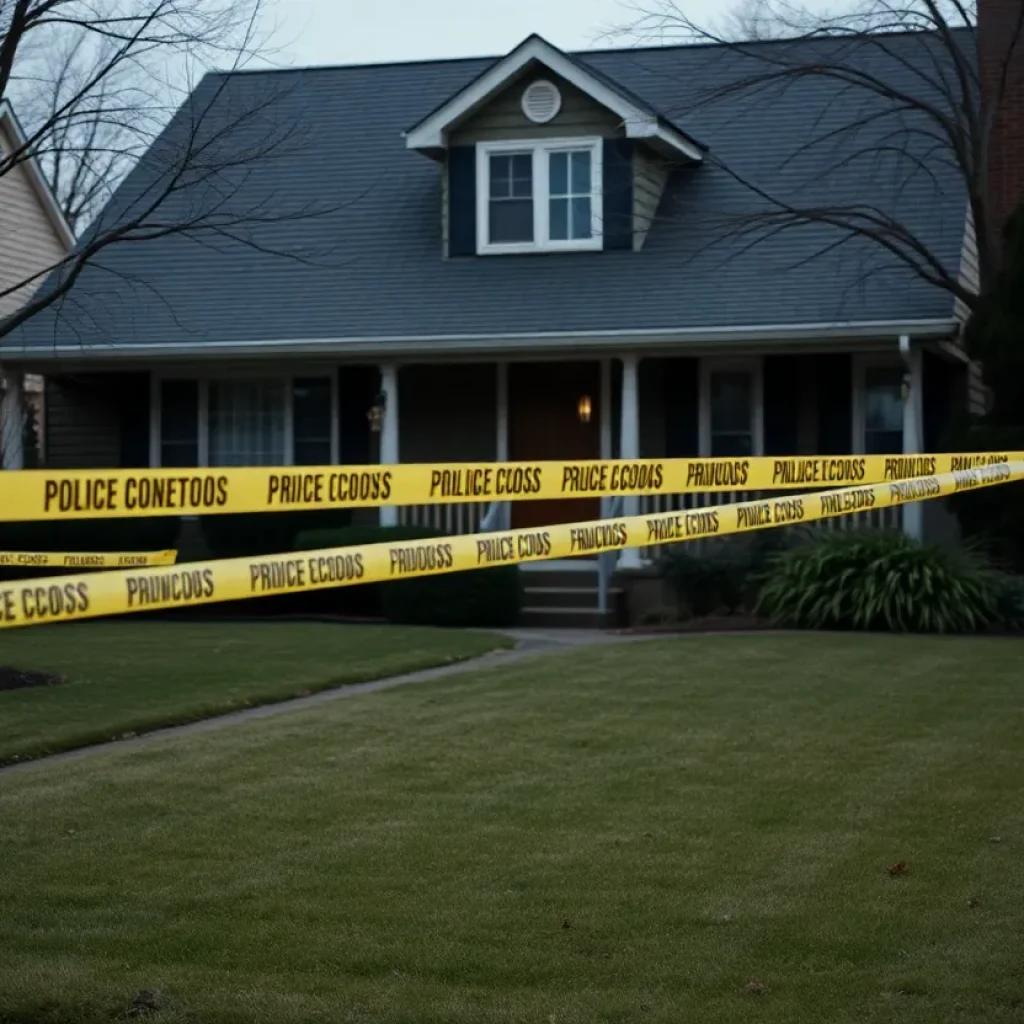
(33, 236)
(523, 259)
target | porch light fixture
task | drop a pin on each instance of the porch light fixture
(375, 414)
(583, 408)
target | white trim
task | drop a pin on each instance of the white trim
(202, 377)
(204, 422)
(755, 367)
(605, 410)
(913, 427)
(335, 420)
(540, 151)
(390, 439)
(501, 412)
(432, 131)
(41, 187)
(629, 443)
(862, 362)
(793, 337)
(155, 411)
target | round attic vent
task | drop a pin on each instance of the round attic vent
(541, 101)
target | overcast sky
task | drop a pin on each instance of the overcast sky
(364, 31)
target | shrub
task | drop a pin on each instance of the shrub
(725, 575)
(1010, 601)
(85, 535)
(482, 597)
(880, 581)
(992, 517)
(266, 533)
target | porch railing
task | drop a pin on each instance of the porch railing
(457, 519)
(874, 519)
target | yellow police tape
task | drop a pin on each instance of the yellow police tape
(104, 493)
(66, 598)
(85, 560)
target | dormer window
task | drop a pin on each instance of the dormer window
(538, 196)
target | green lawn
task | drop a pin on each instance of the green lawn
(681, 830)
(134, 676)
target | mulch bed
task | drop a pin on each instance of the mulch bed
(21, 678)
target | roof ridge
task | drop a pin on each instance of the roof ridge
(583, 53)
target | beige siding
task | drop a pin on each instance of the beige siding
(448, 413)
(82, 425)
(503, 117)
(650, 174)
(28, 240)
(969, 273)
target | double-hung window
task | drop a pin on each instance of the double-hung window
(539, 196)
(883, 410)
(245, 421)
(731, 410)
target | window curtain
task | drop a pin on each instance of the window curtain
(246, 423)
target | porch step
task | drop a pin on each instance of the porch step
(565, 599)
(566, 618)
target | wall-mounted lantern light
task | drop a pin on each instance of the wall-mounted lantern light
(375, 414)
(583, 409)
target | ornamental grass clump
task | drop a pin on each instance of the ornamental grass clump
(881, 582)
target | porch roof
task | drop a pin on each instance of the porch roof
(376, 271)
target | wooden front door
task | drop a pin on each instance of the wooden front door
(544, 424)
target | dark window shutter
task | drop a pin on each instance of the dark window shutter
(132, 395)
(357, 388)
(682, 404)
(834, 374)
(782, 379)
(462, 201)
(179, 423)
(618, 193)
(940, 384)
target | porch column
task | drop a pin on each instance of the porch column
(501, 415)
(606, 409)
(913, 415)
(629, 445)
(12, 419)
(389, 433)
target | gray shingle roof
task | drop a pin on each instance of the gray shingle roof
(377, 268)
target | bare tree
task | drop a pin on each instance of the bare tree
(108, 75)
(911, 97)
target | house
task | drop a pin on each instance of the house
(521, 258)
(33, 237)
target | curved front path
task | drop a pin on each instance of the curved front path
(530, 643)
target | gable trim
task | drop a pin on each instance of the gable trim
(431, 132)
(871, 333)
(9, 123)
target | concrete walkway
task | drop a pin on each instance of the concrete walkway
(530, 644)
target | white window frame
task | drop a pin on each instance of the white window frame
(540, 150)
(203, 378)
(861, 364)
(755, 367)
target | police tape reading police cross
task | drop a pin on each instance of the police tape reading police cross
(81, 494)
(62, 599)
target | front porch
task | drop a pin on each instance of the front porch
(678, 406)
(883, 399)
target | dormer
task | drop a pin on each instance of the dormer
(541, 153)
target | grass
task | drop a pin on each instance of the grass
(694, 830)
(131, 677)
